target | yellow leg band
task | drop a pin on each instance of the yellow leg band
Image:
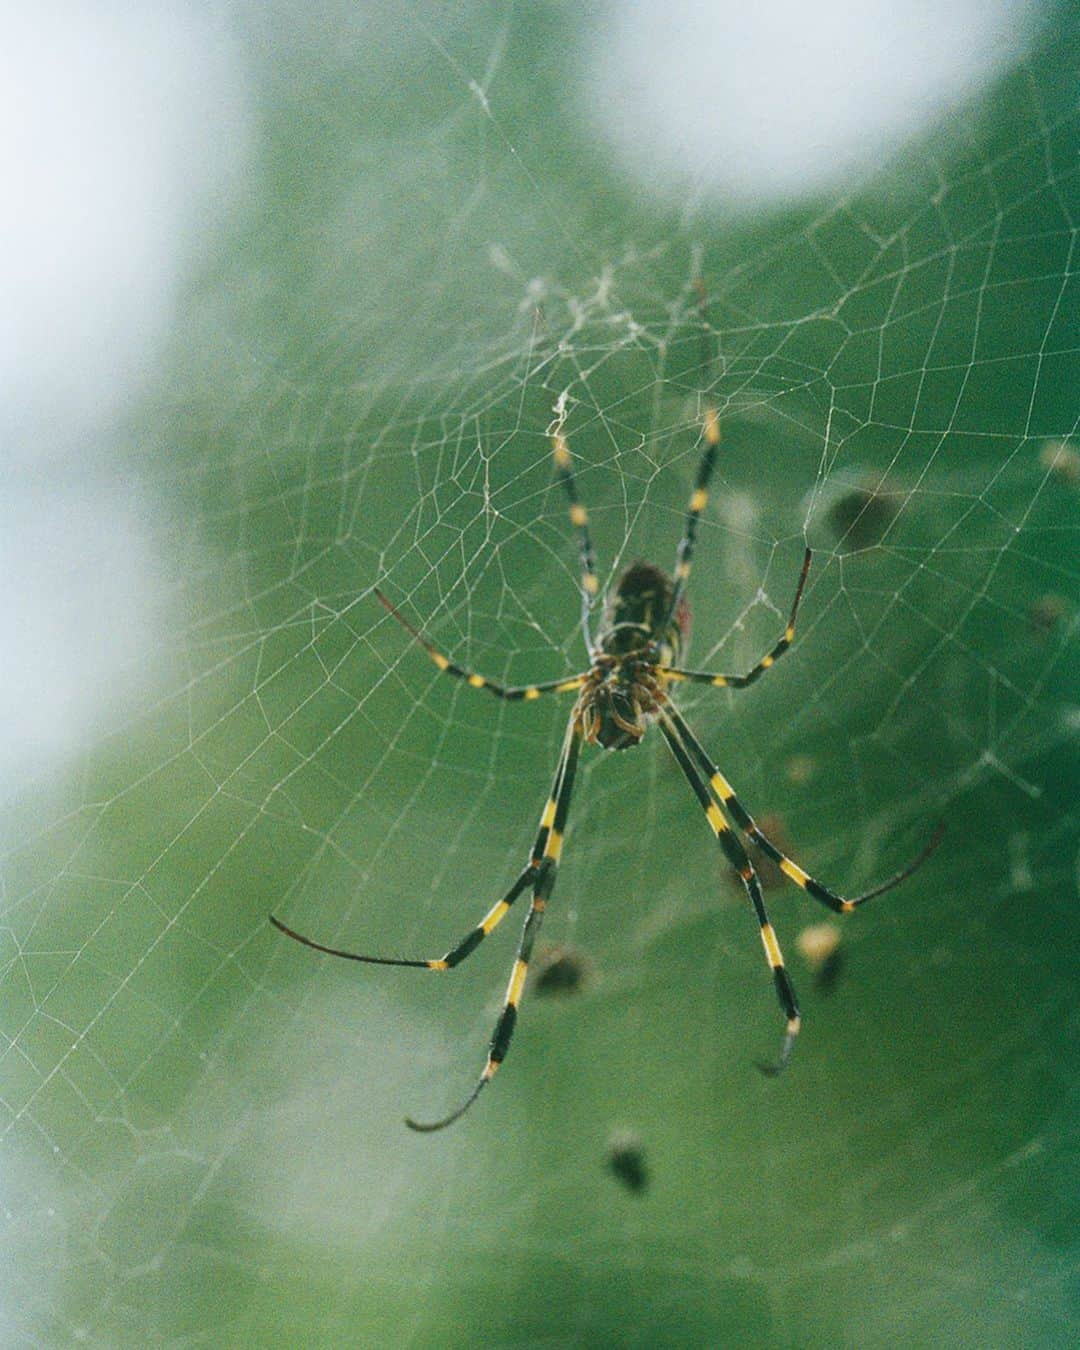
(772, 947)
(716, 820)
(721, 786)
(712, 426)
(493, 917)
(517, 983)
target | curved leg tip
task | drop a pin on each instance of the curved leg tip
(775, 1069)
(422, 1128)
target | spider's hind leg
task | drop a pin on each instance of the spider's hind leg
(544, 865)
(736, 855)
(725, 793)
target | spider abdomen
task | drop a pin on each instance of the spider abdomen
(638, 615)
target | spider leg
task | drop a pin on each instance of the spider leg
(766, 662)
(736, 854)
(726, 794)
(522, 691)
(579, 518)
(710, 425)
(684, 554)
(543, 882)
(536, 866)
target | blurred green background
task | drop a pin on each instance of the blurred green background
(202, 1121)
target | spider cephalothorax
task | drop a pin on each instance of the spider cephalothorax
(621, 695)
(641, 638)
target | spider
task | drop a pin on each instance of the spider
(634, 661)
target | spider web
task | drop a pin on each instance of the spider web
(202, 1122)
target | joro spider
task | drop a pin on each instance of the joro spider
(634, 659)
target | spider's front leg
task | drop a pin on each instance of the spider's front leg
(476, 681)
(710, 429)
(767, 661)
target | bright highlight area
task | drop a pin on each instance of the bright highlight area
(120, 130)
(122, 135)
(779, 100)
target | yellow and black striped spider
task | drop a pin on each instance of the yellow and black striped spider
(633, 661)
